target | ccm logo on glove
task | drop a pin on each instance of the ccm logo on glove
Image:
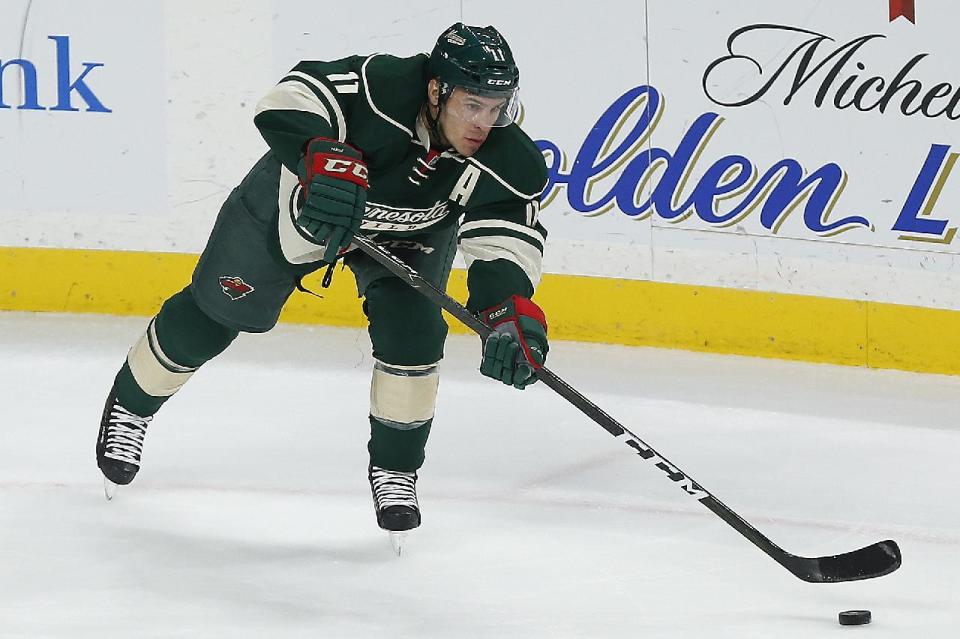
(327, 157)
(497, 314)
(334, 178)
(336, 165)
(517, 347)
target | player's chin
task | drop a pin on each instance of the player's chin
(469, 146)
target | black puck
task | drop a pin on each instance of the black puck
(854, 617)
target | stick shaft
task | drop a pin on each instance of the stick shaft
(881, 558)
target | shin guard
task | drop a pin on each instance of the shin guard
(402, 403)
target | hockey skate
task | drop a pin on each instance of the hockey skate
(119, 445)
(395, 500)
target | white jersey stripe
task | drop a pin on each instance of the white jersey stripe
(343, 77)
(296, 248)
(488, 170)
(331, 99)
(533, 212)
(503, 224)
(293, 96)
(366, 88)
(487, 249)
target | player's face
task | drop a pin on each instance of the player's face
(465, 120)
(484, 111)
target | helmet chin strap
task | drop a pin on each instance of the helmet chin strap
(433, 124)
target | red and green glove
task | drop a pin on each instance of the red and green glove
(517, 347)
(334, 178)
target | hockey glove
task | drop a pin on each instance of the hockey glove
(518, 345)
(334, 178)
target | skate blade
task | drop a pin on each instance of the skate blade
(109, 489)
(396, 540)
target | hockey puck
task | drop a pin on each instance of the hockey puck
(854, 617)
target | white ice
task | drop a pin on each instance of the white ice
(251, 516)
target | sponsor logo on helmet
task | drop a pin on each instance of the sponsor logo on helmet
(234, 287)
(458, 40)
(500, 83)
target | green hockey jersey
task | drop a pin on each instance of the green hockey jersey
(373, 103)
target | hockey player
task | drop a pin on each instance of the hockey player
(421, 154)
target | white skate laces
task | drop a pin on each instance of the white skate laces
(393, 488)
(124, 436)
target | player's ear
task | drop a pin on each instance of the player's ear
(433, 92)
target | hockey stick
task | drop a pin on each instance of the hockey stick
(874, 560)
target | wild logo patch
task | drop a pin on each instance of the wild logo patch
(234, 287)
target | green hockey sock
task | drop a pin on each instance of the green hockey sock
(397, 449)
(177, 342)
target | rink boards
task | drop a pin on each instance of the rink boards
(771, 179)
(589, 309)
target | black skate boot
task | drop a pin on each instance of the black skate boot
(395, 500)
(120, 444)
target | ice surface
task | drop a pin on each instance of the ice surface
(252, 515)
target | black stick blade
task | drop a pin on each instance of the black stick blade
(875, 560)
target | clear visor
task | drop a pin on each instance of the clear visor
(484, 108)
